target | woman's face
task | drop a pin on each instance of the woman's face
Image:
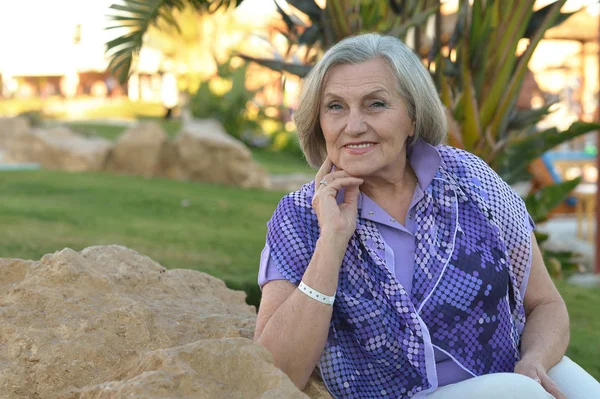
(364, 120)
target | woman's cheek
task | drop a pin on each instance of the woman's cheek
(333, 154)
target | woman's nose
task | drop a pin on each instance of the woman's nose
(355, 124)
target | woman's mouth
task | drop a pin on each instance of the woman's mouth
(359, 148)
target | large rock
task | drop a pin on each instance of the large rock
(145, 150)
(59, 148)
(12, 127)
(108, 322)
(207, 153)
(290, 182)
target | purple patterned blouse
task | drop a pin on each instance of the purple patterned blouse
(395, 244)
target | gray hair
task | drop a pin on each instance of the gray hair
(414, 85)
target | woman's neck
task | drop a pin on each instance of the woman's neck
(392, 193)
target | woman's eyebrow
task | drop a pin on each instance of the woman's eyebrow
(331, 95)
(370, 94)
(374, 92)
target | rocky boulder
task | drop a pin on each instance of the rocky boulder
(108, 322)
(208, 154)
(12, 127)
(291, 182)
(59, 148)
(145, 150)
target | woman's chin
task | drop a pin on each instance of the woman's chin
(358, 171)
(360, 167)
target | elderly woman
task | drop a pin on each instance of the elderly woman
(408, 268)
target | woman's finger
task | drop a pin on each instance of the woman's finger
(337, 184)
(351, 195)
(551, 387)
(323, 170)
(330, 177)
(527, 369)
(331, 190)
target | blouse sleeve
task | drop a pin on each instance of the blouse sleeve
(291, 236)
(523, 287)
(267, 270)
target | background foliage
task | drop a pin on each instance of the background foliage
(230, 106)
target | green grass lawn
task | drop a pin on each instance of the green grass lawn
(584, 311)
(222, 232)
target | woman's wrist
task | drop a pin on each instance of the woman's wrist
(323, 270)
(328, 255)
(332, 245)
(334, 239)
(531, 358)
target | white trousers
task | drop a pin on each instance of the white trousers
(570, 378)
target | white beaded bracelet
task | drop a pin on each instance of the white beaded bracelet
(316, 295)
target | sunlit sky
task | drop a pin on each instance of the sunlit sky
(34, 30)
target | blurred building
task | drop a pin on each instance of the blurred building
(50, 53)
(47, 51)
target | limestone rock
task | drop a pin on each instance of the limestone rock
(59, 148)
(587, 280)
(291, 182)
(145, 150)
(12, 127)
(108, 322)
(226, 368)
(207, 153)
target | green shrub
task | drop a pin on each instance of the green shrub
(230, 108)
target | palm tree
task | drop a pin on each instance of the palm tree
(136, 17)
(339, 19)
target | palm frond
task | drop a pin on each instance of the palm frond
(280, 66)
(136, 16)
(308, 7)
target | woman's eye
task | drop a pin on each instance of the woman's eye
(334, 106)
(377, 104)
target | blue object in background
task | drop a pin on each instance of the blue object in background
(551, 156)
(18, 166)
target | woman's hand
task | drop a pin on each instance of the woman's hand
(535, 370)
(336, 221)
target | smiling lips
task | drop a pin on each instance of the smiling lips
(359, 148)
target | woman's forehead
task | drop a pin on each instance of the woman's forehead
(376, 68)
(361, 79)
(364, 81)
